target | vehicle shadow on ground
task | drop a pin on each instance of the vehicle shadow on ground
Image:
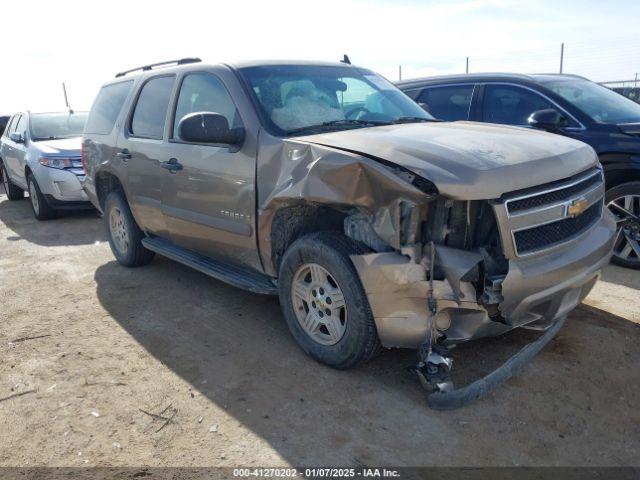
(627, 277)
(234, 348)
(73, 227)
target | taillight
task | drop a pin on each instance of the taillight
(84, 164)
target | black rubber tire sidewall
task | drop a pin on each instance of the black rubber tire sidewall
(613, 193)
(331, 250)
(13, 192)
(136, 255)
(45, 212)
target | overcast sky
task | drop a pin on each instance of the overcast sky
(50, 41)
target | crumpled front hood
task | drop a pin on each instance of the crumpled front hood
(467, 160)
(64, 146)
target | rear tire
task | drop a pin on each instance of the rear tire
(125, 236)
(39, 205)
(626, 250)
(317, 276)
(13, 191)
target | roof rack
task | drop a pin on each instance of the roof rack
(180, 61)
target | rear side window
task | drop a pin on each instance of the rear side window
(106, 108)
(150, 113)
(447, 103)
(511, 105)
(203, 92)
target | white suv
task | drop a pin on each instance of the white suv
(40, 153)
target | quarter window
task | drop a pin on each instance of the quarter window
(203, 92)
(150, 113)
(447, 103)
(106, 107)
(511, 105)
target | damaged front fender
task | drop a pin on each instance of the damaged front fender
(294, 173)
(397, 289)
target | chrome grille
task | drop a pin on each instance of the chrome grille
(552, 196)
(549, 234)
(544, 217)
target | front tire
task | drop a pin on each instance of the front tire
(13, 191)
(324, 303)
(125, 236)
(39, 205)
(624, 202)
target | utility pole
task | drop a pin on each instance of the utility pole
(467, 69)
(399, 72)
(561, 56)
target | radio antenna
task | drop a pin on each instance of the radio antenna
(66, 99)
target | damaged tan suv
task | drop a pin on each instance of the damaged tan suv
(376, 225)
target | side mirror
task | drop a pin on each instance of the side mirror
(547, 119)
(16, 137)
(209, 127)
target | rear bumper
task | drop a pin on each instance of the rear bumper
(90, 191)
(537, 292)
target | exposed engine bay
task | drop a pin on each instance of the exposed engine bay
(436, 279)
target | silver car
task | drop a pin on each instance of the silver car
(40, 153)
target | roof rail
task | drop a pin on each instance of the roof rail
(180, 61)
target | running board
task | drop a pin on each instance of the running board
(232, 274)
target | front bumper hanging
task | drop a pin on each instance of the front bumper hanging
(452, 399)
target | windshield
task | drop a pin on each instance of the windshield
(51, 126)
(298, 99)
(598, 102)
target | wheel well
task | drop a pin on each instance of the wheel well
(293, 222)
(105, 184)
(613, 178)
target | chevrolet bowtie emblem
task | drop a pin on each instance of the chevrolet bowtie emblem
(576, 207)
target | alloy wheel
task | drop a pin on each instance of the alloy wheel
(626, 209)
(319, 304)
(118, 230)
(33, 196)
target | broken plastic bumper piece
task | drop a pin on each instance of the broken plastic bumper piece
(450, 399)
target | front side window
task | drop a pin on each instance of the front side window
(52, 126)
(448, 103)
(151, 109)
(11, 125)
(598, 102)
(21, 127)
(298, 99)
(203, 92)
(511, 105)
(106, 107)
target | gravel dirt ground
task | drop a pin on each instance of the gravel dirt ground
(119, 346)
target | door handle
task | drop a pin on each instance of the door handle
(172, 165)
(124, 155)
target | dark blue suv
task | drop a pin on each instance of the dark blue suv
(565, 104)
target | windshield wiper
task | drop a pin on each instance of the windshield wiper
(347, 121)
(415, 119)
(338, 123)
